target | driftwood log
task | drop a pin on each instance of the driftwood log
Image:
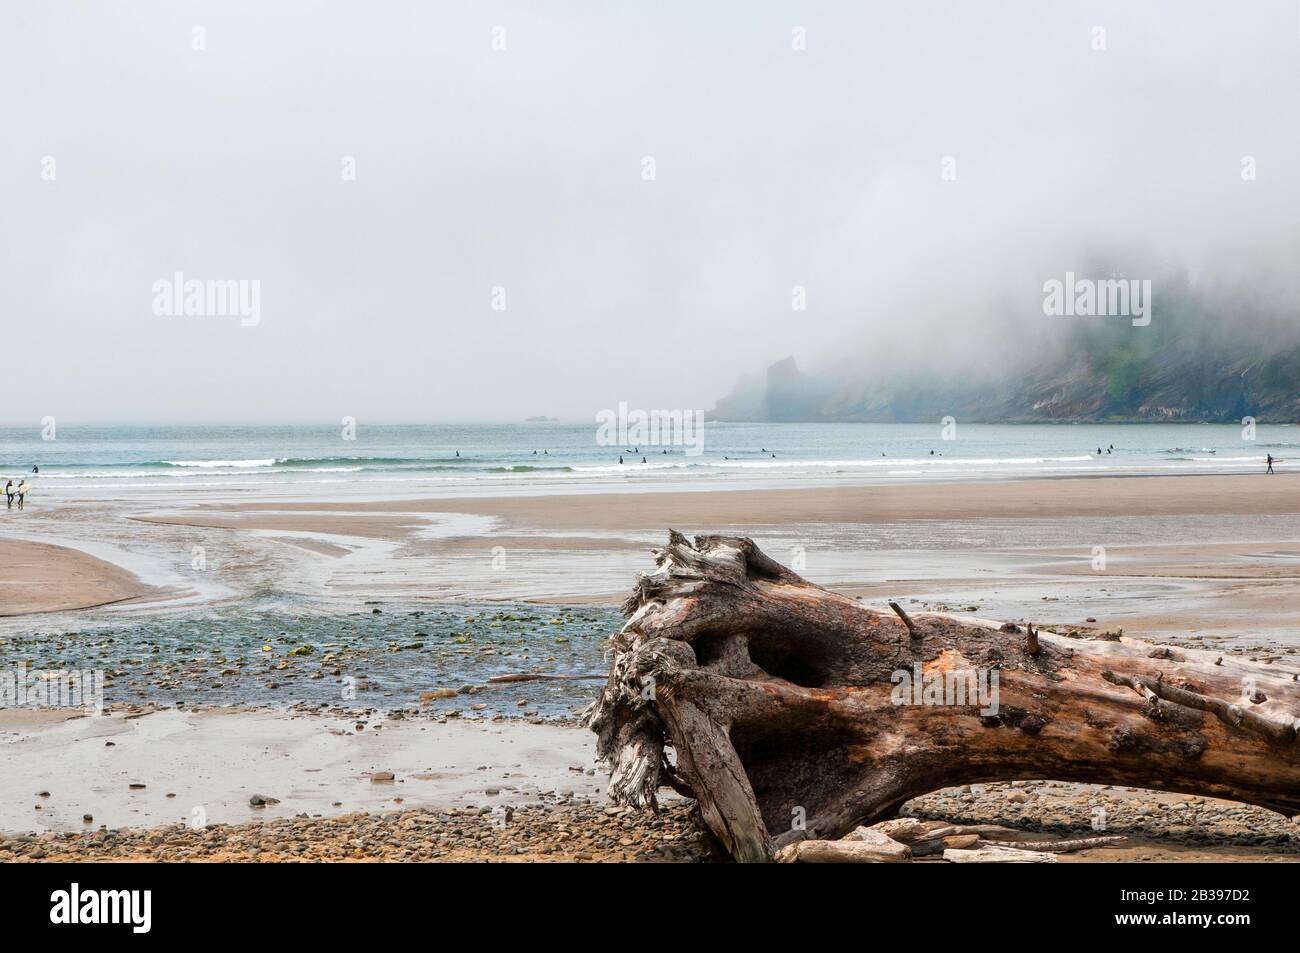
(784, 708)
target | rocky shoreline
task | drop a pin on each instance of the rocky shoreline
(1158, 827)
(545, 832)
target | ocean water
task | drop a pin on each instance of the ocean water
(547, 456)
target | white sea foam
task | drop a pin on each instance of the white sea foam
(213, 464)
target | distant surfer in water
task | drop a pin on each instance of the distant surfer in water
(1270, 464)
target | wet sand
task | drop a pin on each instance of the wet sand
(39, 577)
(1251, 495)
(1212, 555)
(1217, 556)
(210, 763)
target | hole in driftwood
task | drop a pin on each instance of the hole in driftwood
(804, 662)
(712, 647)
(794, 765)
(781, 664)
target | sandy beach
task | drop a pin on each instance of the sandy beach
(39, 577)
(1179, 554)
(1193, 560)
(1252, 495)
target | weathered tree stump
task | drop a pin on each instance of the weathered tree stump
(788, 715)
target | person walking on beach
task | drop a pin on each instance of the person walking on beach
(21, 493)
(1270, 464)
(9, 495)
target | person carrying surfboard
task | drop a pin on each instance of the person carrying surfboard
(21, 493)
(9, 495)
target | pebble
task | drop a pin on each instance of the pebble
(547, 831)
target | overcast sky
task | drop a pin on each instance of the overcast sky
(523, 168)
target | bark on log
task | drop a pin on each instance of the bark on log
(779, 702)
